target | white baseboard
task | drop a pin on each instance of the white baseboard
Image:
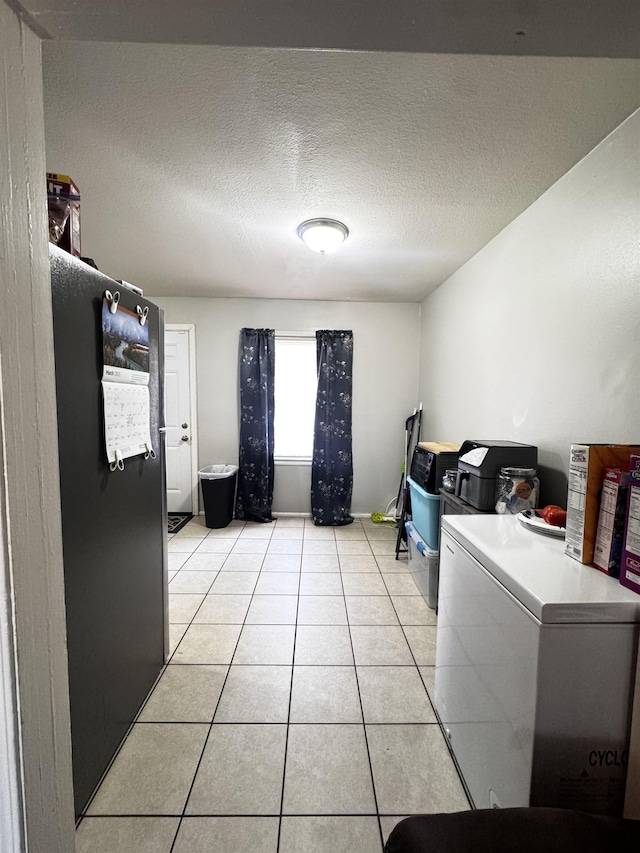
(291, 515)
(308, 514)
(304, 514)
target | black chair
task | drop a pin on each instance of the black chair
(519, 830)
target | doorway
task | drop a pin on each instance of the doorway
(180, 418)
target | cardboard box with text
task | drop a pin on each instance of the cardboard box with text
(587, 466)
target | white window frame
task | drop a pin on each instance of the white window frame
(310, 335)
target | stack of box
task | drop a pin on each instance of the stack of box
(429, 462)
(587, 466)
(603, 516)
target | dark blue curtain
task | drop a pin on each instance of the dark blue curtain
(332, 466)
(255, 477)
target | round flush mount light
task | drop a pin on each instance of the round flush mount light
(323, 235)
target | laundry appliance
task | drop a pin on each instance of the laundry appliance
(535, 665)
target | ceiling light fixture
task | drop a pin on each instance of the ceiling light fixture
(323, 235)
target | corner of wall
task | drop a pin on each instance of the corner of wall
(31, 470)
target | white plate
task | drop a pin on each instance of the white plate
(539, 524)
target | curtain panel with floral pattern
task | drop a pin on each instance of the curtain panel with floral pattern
(332, 465)
(255, 477)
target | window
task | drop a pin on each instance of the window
(296, 382)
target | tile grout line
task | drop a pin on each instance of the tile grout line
(211, 725)
(364, 725)
(382, 842)
(417, 666)
(259, 723)
(217, 571)
(215, 710)
(240, 815)
(181, 817)
(329, 665)
(286, 742)
(437, 716)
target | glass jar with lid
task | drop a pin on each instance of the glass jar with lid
(517, 489)
(449, 479)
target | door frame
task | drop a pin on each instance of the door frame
(12, 812)
(190, 329)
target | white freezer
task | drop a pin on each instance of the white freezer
(535, 663)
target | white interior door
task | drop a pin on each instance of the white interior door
(179, 414)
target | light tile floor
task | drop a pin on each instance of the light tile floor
(294, 714)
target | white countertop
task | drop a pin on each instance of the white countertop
(534, 568)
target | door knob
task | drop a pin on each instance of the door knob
(184, 426)
(185, 438)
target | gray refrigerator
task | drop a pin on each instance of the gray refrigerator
(113, 527)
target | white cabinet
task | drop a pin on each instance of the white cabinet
(535, 661)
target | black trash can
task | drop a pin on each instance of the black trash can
(218, 484)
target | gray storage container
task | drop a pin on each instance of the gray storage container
(423, 565)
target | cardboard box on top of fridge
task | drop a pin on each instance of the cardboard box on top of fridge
(630, 563)
(63, 198)
(587, 466)
(610, 533)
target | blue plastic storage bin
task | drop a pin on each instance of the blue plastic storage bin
(425, 513)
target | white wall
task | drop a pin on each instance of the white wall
(32, 562)
(537, 338)
(385, 381)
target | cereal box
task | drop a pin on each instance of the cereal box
(613, 508)
(587, 466)
(630, 563)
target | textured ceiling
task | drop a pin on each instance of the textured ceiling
(196, 163)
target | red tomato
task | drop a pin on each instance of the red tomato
(553, 514)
